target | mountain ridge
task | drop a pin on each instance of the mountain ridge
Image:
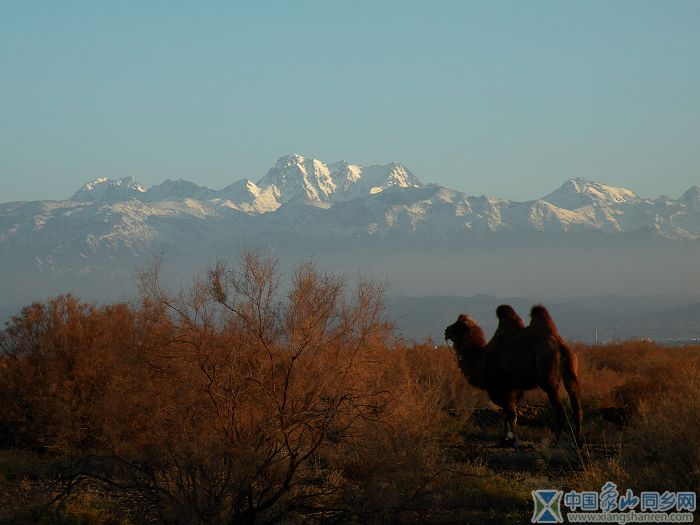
(390, 199)
(292, 176)
(423, 236)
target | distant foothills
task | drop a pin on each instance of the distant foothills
(584, 239)
(671, 320)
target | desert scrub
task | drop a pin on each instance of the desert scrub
(237, 400)
(660, 450)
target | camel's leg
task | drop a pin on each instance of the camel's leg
(559, 413)
(511, 414)
(508, 403)
(574, 391)
(569, 374)
(510, 417)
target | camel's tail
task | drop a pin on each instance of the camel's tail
(569, 373)
(542, 324)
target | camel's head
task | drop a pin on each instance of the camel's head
(462, 330)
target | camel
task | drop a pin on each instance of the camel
(518, 358)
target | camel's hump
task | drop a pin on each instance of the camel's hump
(540, 319)
(505, 312)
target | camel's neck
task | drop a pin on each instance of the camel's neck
(471, 358)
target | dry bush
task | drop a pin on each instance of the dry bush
(251, 388)
(659, 388)
(626, 373)
(660, 450)
(400, 467)
(59, 361)
(235, 402)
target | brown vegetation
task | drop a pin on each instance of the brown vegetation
(234, 402)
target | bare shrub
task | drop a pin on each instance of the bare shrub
(625, 373)
(246, 388)
(401, 467)
(233, 401)
(660, 450)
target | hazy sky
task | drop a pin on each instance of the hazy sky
(500, 98)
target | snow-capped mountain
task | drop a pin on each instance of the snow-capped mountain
(307, 198)
(106, 190)
(292, 178)
(308, 205)
(577, 193)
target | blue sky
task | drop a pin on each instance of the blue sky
(500, 98)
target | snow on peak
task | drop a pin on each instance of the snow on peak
(576, 193)
(177, 190)
(244, 194)
(293, 159)
(396, 175)
(296, 177)
(293, 177)
(243, 187)
(103, 189)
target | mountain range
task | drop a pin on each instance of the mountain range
(583, 238)
(353, 201)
